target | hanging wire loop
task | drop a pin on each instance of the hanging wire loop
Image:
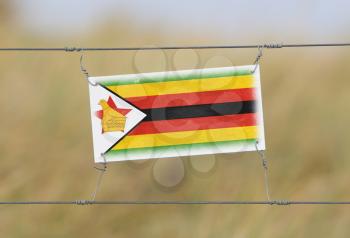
(266, 175)
(85, 72)
(260, 53)
(258, 57)
(100, 176)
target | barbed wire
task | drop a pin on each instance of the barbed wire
(267, 46)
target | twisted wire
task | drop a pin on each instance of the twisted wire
(199, 47)
(173, 202)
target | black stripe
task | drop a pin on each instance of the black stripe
(204, 110)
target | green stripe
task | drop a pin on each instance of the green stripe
(164, 77)
(125, 152)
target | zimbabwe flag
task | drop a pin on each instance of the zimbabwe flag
(181, 113)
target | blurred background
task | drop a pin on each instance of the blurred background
(46, 144)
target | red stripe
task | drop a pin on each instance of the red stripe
(185, 99)
(198, 123)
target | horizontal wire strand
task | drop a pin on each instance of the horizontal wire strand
(77, 49)
(125, 202)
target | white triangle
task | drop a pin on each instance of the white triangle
(104, 141)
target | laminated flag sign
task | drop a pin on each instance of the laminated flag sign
(176, 113)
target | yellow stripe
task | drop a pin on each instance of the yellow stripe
(183, 86)
(187, 137)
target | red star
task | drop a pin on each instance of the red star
(111, 103)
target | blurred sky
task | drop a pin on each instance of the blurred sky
(318, 21)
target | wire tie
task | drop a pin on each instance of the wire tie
(273, 45)
(104, 169)
(280, 202)
(83, 202)
(72, 49)
(85, 72)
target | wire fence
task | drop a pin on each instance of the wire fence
(175, 202)
(165, 202)
(267, 46)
